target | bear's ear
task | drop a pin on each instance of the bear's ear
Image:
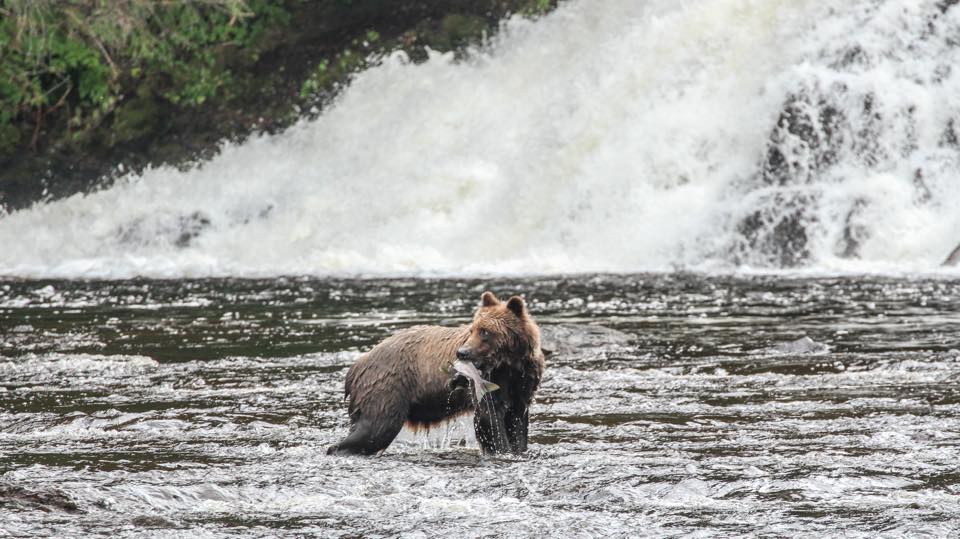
(517, 306)
(488, 299)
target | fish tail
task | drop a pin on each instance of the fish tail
(490, 386)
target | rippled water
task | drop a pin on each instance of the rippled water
(675, 404)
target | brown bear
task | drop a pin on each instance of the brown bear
(406, 379)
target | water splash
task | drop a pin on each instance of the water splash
(668, 409)
(712, 134)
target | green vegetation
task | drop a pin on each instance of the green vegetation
(86, 85)
(453, 32)
(86, 56)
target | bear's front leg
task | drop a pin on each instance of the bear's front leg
(489, 425)
(517, 417)
(517, 421)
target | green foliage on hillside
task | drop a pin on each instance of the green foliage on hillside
(88, 85)
(87, 55)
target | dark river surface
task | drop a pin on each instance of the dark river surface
(674, 405)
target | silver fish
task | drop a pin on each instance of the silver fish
(480, 386)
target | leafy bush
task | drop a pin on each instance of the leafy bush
(86, 55)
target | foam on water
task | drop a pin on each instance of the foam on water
(55, 366)
(711, 134)
(652, 420)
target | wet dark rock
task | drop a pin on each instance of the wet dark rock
(178, 230)
(138, 118)
(954, 258)
(811, 136)
(950, 138)
(778, 230)
(805, 142)
(944, 5)
(823, 124)
(922, 194)
(48, 499)
(190, 227)
(456, 31)
(854, 233)
(152, 521)
(853, 56)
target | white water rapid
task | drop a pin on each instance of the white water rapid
(622, 135)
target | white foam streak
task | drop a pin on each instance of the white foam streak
(625, 136)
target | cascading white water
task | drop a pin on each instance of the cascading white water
(617, 136)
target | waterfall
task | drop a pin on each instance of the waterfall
(624, 135)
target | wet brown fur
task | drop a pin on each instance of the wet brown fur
(403, 380)
(417, 428)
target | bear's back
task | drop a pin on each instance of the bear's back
(407, 364)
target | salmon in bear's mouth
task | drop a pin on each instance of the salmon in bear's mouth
(469, 370)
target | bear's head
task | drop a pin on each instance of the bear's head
(501, 332)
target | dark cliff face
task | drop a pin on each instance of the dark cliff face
(297, 67)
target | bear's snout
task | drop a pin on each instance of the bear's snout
(463, 353)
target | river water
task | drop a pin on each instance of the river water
(675, 404)
(687, 173)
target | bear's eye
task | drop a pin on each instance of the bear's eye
(484, 333)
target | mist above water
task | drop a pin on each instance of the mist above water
(622, 136)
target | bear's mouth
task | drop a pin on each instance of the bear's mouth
(482, 366)
(486, 366)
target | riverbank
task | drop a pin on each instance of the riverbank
(250, 67)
